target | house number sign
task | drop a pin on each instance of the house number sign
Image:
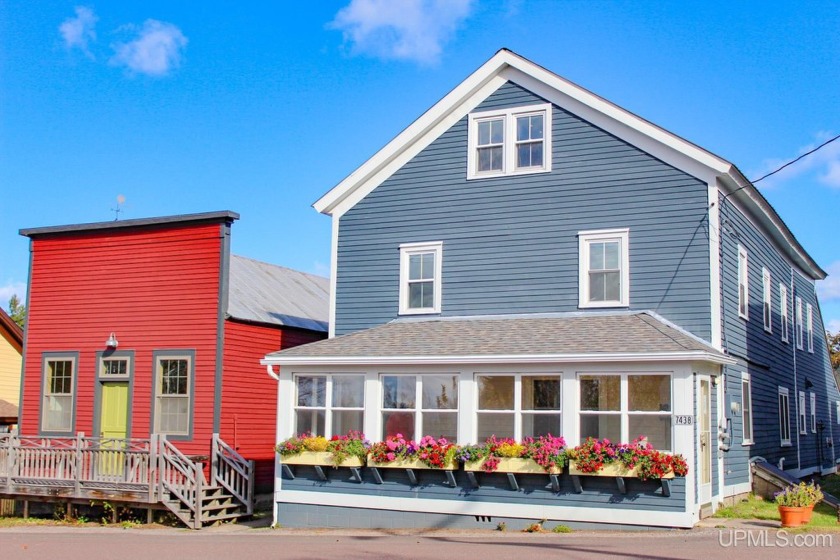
(684, 420)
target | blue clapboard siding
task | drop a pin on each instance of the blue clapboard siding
(598, 492)
(770, 362)
(510, 244)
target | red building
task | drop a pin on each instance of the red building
(151, 327)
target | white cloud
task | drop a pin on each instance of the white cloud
(9, 289)
(78, 31)
(829, 289)
(824, 164)
(155, 51)
(401, 29)
(833, 326)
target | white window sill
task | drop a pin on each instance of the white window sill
(602, 305)
(497, 174)
(419, 311)
(786, 444)
(747, 443)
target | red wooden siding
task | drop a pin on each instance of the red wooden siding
(155, 288)
(249, 395)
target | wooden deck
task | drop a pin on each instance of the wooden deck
(134, 471)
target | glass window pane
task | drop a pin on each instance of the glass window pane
(485, 162)
(398, 422)
(499, 425)
(345, 420)
(612, 250)
(398, 391)
(600, 426)
(495, 392)
(612, 286)
(414, 264)
(441, 425)
(537, 126)
(427, 298)
(440, 392)
(497, 131)
(540, 393)
(483, 133)
(649, 392)
(312, 391)
(536, 154)
(523, 155)
(522, 129)
(596, 286)
(312, 421)
(427, 270)
(600, 392)
(655, 427)
(415, 295)
(536, 425)
(348, 391)
(596, 256)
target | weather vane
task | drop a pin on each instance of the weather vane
(118, 209)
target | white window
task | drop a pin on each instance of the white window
(624, 407)
(420, 405)
(420, 273)
(746, 409)
(803, 414)
(114, 367)
(783, 311)
(810, 325)
(813, 413)
(329, 404)
(743, 284)
(509, 141)
(767, 301)
(799, 325)
(604, 268)
(837, 412)
(58, 393)
(784, 416)
(518, 406)
(173, 394)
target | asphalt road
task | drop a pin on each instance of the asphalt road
(86, 543)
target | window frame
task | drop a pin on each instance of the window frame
(328, 407)
(743, 283)
(46, 393)
(809, 326)
(509, 142)
(767, 299)
(813, 396)
(746, 410)
(407, 250)
(784, 319)
(418, 409)
(624, 411)
(784, 419)
(585, 239)
(518, 411)
(123, 356)
(837, 412)
(803, 414)
(799, 327)
(157, 356)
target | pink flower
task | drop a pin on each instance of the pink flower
(391, 456)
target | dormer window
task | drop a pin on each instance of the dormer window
(509, 142)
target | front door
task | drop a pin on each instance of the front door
(705, 451)
(113, 425)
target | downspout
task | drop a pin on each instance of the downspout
(270, 369)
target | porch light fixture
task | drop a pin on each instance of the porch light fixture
(112, 341)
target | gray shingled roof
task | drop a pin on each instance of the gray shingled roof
(556, 335)
(272, 294)
(8, 411)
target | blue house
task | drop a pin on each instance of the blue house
(529, 258)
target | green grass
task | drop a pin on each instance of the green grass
(754, 507)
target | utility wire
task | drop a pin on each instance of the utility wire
(797, 159)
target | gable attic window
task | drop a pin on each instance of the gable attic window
(509, 141)
(743, 284)
(420, 289)
(783, 311)
(767, 302)
(604, 268)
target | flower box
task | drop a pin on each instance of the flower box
(512, 465)
(611, 469)
(409, 464)
(320, 458)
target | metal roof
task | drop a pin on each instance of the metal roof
(220, 216)
(267, 293)
(585, 336)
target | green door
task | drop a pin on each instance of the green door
(113, 426)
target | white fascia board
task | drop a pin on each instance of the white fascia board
(696, 356)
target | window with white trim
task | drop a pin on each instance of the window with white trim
(784, 416)
(420, 405)
(783, 311)
(813, 413)
(518, 405)
(799, 326)
(767, 302)
(509, 141)
(623, 407)
(420, 277)
(173, 392)
(604, 268)
(810, 326)
(329, 404)
(837, 412)
(58, 393)
(114, 368)
(803, 414)
(746, 409)
(743, 284)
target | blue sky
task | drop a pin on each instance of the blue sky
(261, 107)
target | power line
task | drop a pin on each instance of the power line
(797, 159)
